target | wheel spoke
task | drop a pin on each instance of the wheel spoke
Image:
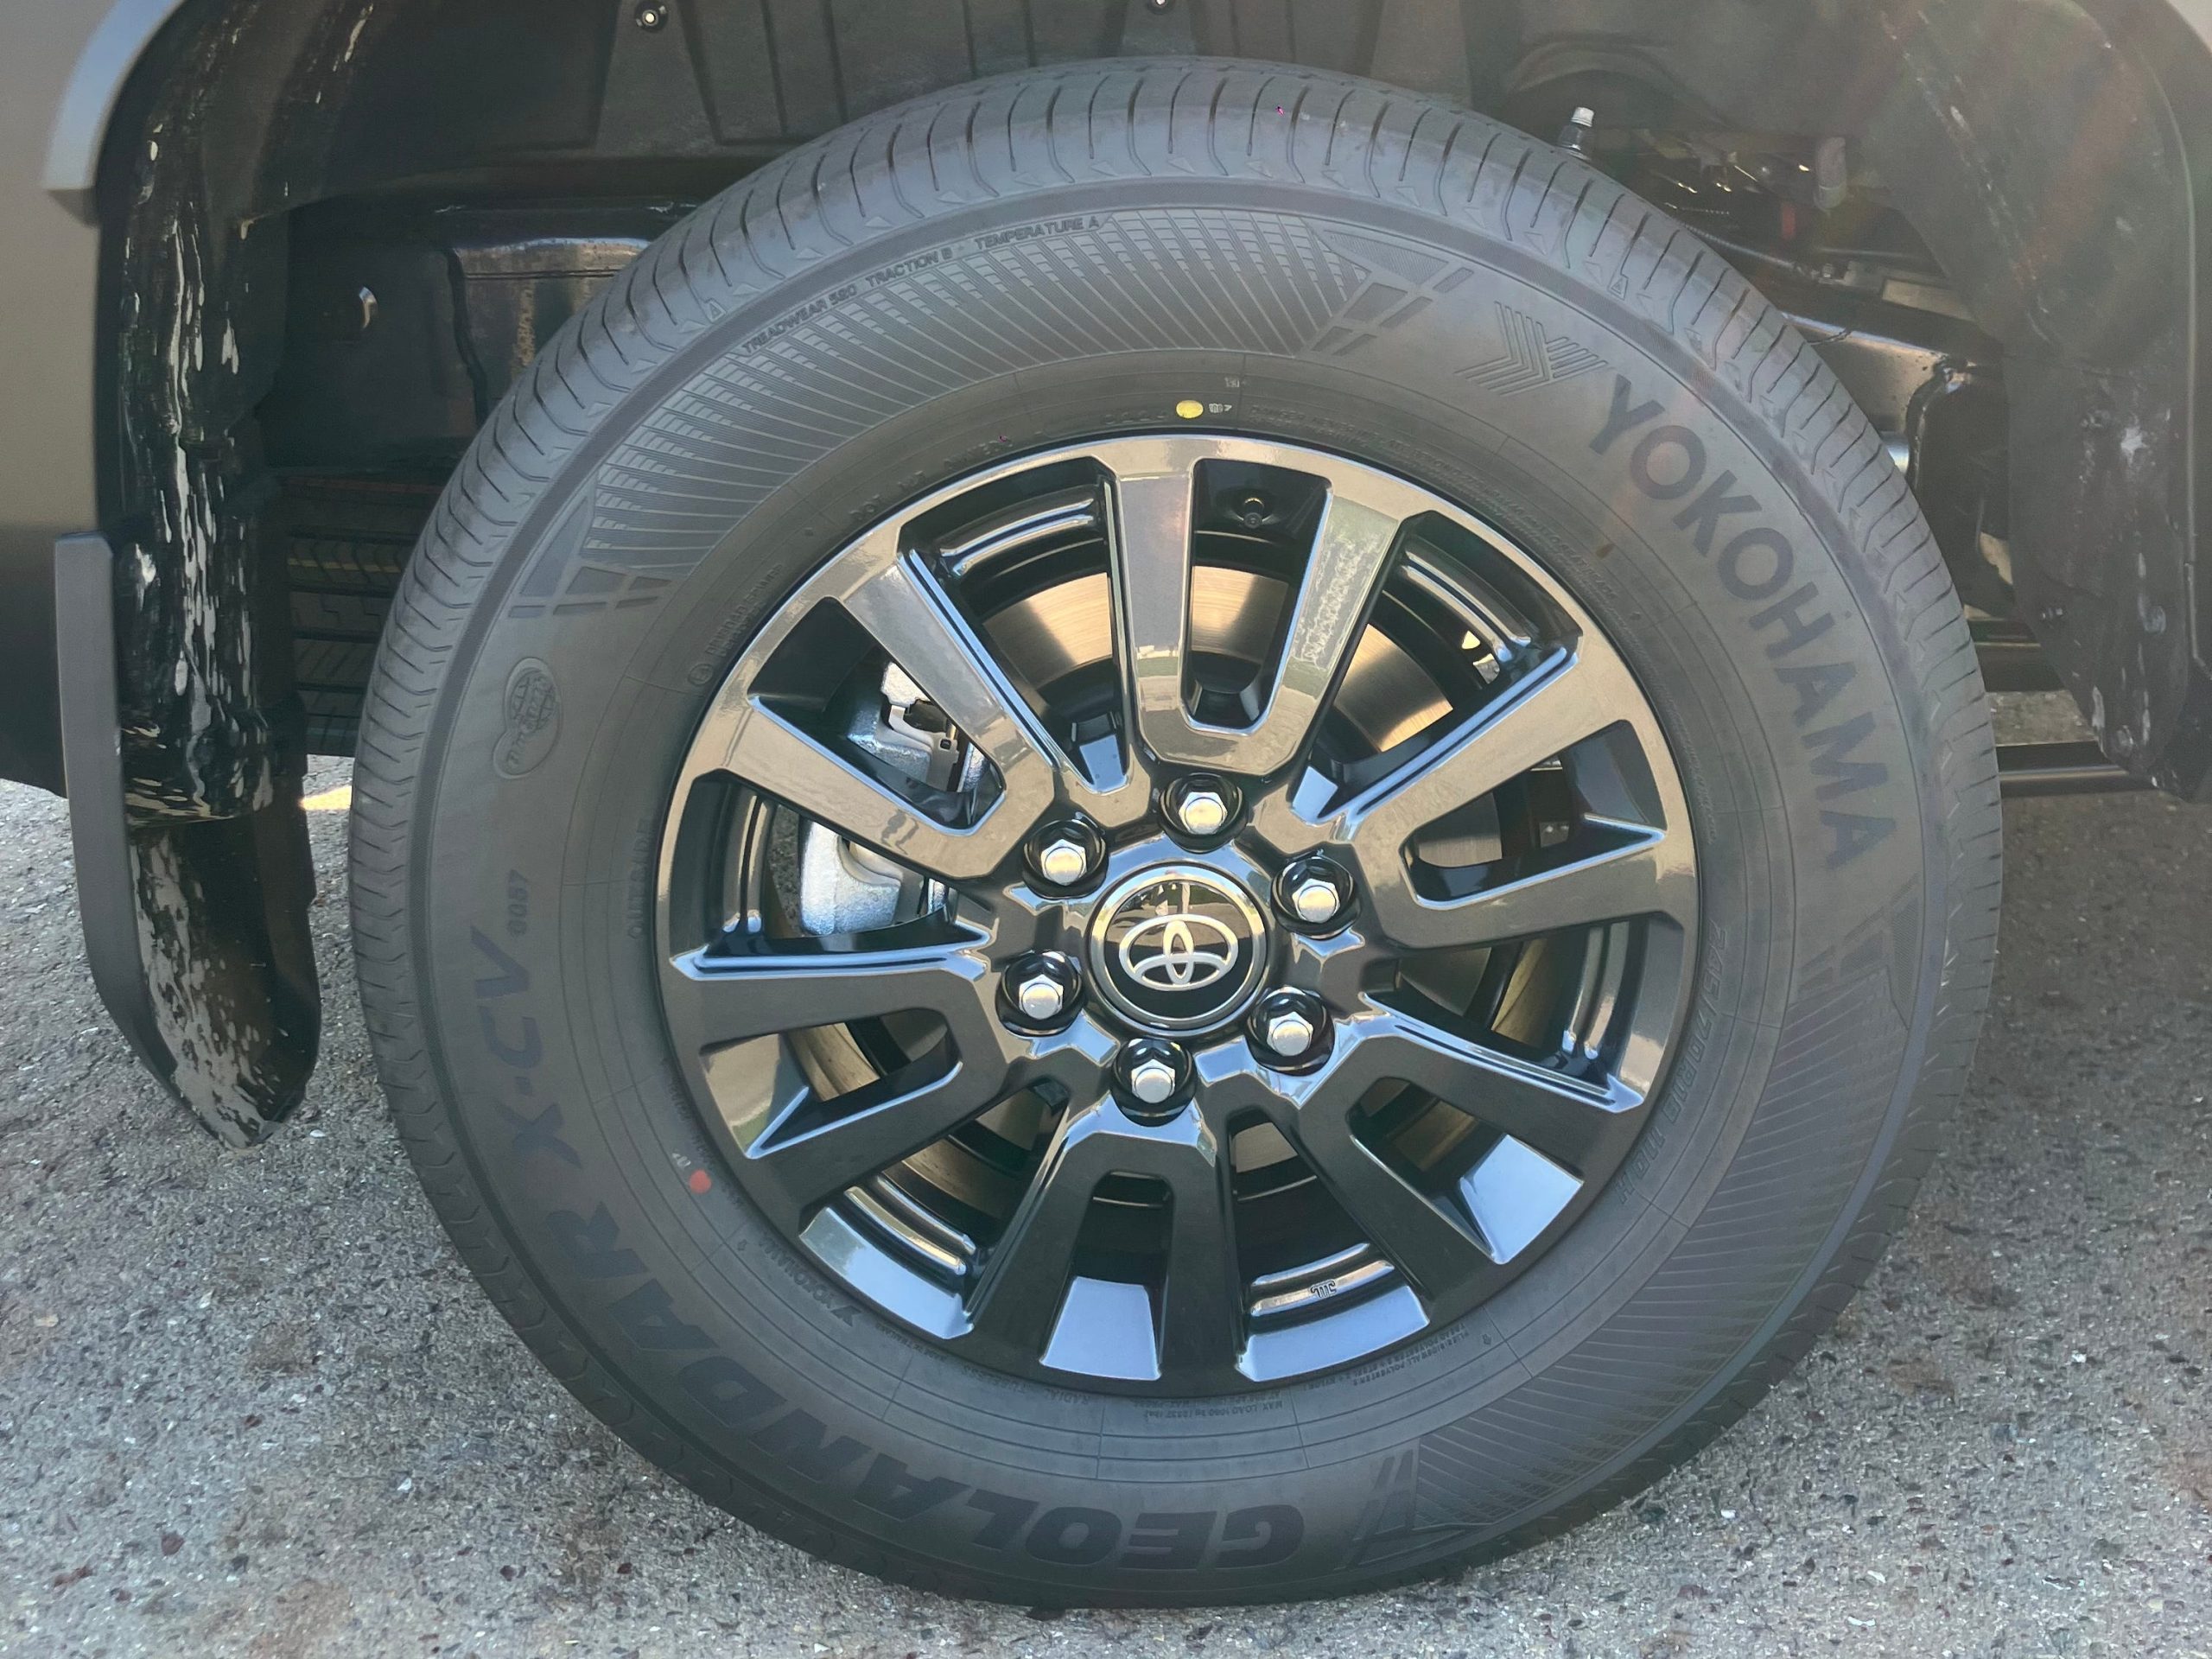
(813, 1148)
(1019, 1293)
(1578, 694)
(1358, 532)
(1150, 548)
(778, 759)
(1351, 550)
(911, 616)
(1573, 1124)
(1432, 1247)
(1430, 1244)
(1650, 875)
(716, 999)
(1201, 1318)
(1019, 1298)
(898, 600)
(798, 1161)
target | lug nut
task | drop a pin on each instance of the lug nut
(1201, 806)
(1288, 1026)
(1063, 854)
(1315, 900)
(1203, 812)
(1040, 997)
(1152, 1081)
(1151, 1076)
(1064, 862)
(1290, 1034)
(1313, 890)
(1041, 989)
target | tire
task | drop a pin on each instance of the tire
(1039, 260)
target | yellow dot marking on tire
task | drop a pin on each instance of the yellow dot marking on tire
(1190, 408)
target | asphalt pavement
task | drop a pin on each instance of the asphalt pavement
(250, 1403)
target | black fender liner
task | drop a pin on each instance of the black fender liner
(2051, 155)
(2064, 205)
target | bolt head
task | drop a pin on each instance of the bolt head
(1316, 899)
(1040, 997)
(1152, 1081)
(1063, 861)
(1202, 811)
(1289, 1033)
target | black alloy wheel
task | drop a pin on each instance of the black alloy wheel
(1376, 1117)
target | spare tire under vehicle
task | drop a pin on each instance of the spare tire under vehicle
(1174, 832)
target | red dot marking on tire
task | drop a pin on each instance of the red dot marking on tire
(699, 1181)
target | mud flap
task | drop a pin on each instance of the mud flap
(195, 930)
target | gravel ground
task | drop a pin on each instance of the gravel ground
(250, 1403)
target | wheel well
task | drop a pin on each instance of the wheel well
(336, 232)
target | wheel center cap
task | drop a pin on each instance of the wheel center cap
(1177, 947)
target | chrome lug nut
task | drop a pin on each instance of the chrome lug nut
(1040, 997)
(1152, 1081)
(1063, 862)
(1289, 1028)
(1039, 991)
(1066, 853)
(1203, 812)
(1201, 806)
(1151, 1076)
(1289, 1033)
(1313, 890)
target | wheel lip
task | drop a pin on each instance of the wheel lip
(1117, 808)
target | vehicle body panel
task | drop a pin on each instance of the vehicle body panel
(50, 280)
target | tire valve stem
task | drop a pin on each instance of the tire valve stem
(1574, 136)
